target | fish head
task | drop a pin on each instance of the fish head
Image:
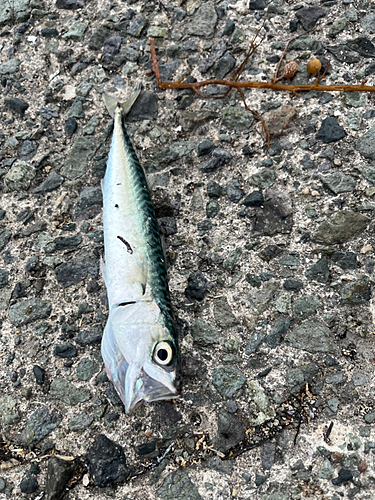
(140, 355)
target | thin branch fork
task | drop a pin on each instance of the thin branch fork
(234, 84)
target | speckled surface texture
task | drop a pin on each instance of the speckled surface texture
(271, 254)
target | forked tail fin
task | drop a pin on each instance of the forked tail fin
(111, 103)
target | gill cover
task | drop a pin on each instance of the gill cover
(133, 336)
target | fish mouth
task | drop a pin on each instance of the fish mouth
(139, 386)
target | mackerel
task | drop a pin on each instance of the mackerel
(139, 345)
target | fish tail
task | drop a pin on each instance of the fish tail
(111, 103)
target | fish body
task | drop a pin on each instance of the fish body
(139, 345)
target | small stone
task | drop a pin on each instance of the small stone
(136, 26)
(223, 314)
(270, 252)
(80, 422)
(9, 414)
(81, 153)
(357, 292)
(262, 298)
(338, 182)
(333, 404)
(263, 179)
(305, 307)
(309, 16)
(65, 391)
(10, 67)
(254, 199)
(224, 65)
(76, 31)
(178, 486)
(19, 106)
(338, 26)
(234, 190)
(312, 336)
(67, 350)
(345, 260)
(343, 477)
(326, 471)
(198, 286)
(227, 380)
(27, 311)
(76, 109)
(204, 334)
(365, 145)
(229, 432)
(260, 410)
(212, 209)
(29, 484)
(330, 131)
(368, 23)
(276, 215)
(203, 21)
(59, 472)
(4, 278)
(39, 374)
(106, 462)
(214, 189)
(89, 204)
(342, 227)
(70, 126)
(231, 261)
(19, 176)
(86, 369)
(277, 331)
(70, 4)
(204, 147)
(39, 425)
(52, 182)
(236, 118)
(359, 379)
(278, 120)
(370, 418)
(318, 271)
(67, 242)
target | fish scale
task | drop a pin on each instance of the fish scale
(139, 345)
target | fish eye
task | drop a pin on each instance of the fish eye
(163, 353)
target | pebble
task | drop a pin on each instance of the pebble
(70, 4)
(39, 374)
(229, 432)
(338, 182)
(254, 199)
(28, 311)
(10, 67)
(276, 216)
(342, 227)
(52, 182)
(29, 484)
(236, 118)
(330, 131)
(89, 204)
(76, 32)
(178, 486)
(306, 306)
(309, 16)
(357, 292)
(106, 462)
(223, 314)
(234, 190)
(80, 422)
(318, 271)
(67, 350)
(39, 425)
(203, 21)
(204, 334)
(65, 391)
(9, 414)
(59, 472)
(19, 106)
(227, 380)
(19, 176)
(82, 151)
(204, 147)
(198, 286)
(312, 336)
(86, 369)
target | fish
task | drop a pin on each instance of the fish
(139, 345)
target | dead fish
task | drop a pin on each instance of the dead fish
(139, 345)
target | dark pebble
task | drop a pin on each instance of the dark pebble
(70, 4)
(267, 455)
(229, 27)
(27, 150)
(67, 350)
(112, 45)
(88, 337)
(64, 243)
(167, 226)
(293, 285)
(17, 105)
(198, 286)
(293, 25)
(29, 484)
(70, 126)
(49, 33)
(52, 182)
(309, 16)
(345, 260)
(4, 278)
(229, 432)
(319, 271)
(146, 448)
(270, 252)
(277, 331)
(234, 190)
(59, 473)
(106, 462)
(39, 374)
(257, 4)
(344, 476)
(214, 189)
(254, 199)
(204, 147)
(330, 131)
